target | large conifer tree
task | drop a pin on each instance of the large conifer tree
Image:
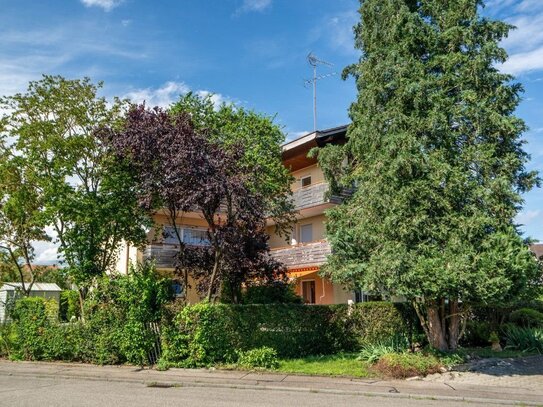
(435, 152)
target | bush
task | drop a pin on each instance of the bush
(477, 333)
(259, 358)
(524, 339)
(527, 318)
(276, 293)
(6, 340)
(116, 328)
(69, 305)
(31, 321)
(209, 334)
(375, 322)
(403, 365)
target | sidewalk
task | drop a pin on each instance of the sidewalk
(506, 393)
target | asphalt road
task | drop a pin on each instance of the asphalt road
(29, 391)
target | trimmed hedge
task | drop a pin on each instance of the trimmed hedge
(205, 334)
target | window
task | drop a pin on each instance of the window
(308, 291)
(196, 237)
(306, 233)
(306, 181)
(190, 236)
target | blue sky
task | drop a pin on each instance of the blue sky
(250, 52)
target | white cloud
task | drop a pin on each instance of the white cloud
(526, 217)
(107, 5)
(168, 93)
(524, 62)
(254, 5)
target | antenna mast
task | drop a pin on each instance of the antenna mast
(314, 62)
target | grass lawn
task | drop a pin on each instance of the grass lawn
(329, 365)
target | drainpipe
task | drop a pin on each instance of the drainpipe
(323, 291)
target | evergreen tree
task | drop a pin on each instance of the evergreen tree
(435, 153)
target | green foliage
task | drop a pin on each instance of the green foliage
(115, 330)
(31, 323)
(524, 339)
(261, 139)
(436, 154)
(61, 174)
(375, 322)
(259, 358)
(527, 318)
(403, 365)
(69, 306)
(477, 333)
(6, 340)
(209, 334)
(340, 364)
(276, 293)
(373, 351)
(206, 334)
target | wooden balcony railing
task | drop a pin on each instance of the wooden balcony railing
(314, 195)
(304, 254)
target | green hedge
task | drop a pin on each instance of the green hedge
(205, 334)
(69, 305)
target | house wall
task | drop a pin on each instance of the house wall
(317, 176)
(317, 221)
(324, 289)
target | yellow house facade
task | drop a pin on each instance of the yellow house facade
(303, 252)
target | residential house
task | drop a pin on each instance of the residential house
(303, 252)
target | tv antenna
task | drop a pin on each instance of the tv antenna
(314, 62)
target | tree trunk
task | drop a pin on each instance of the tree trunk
(454, 324)
(436, 330)
(81, 300)
(214, 274)
(441, 323)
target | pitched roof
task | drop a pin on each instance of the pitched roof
(35, 287)
(537, 249)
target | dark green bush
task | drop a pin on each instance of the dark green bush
(209, 333)
(378, 321)
(477, 333)
(527, 318)
(524, 339)
(259, 358)
(69, 305)
(276, 293)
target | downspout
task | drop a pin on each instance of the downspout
(323, 291)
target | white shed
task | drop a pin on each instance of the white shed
(10, 291)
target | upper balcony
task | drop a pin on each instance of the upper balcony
(315, 195)
(302, 255)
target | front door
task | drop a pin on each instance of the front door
(308, 291)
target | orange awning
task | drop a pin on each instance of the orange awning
(302, 271)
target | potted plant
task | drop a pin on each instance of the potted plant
(494, 339)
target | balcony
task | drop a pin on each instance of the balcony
(305, 254)
(163, 254)
(314, 195)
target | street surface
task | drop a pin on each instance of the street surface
(45, 392)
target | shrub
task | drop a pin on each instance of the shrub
(31, 321)
(6, 339)
(477, 333)
(210, 333)
(259, 358)
(527, 318)
(69, 305)
(380, 321)
(373, 351)
(403, 365)
(275, 293)
(524, 339)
